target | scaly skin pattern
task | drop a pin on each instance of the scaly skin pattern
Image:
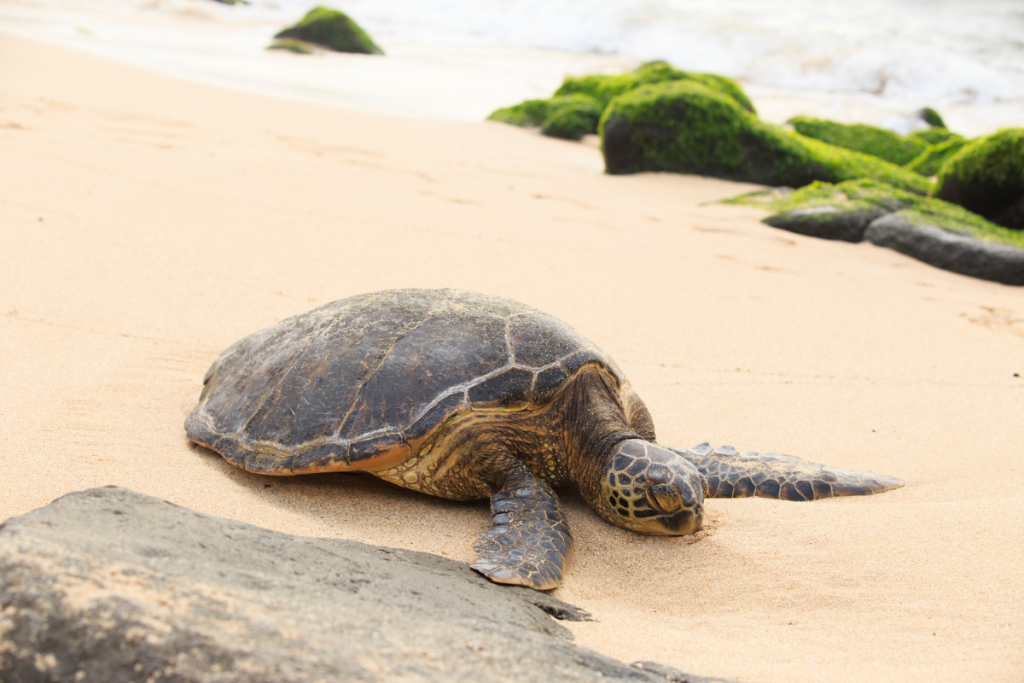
(529, 542)
(731, 474)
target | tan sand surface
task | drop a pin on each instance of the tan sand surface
(147, 223)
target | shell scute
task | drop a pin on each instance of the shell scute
(447, 407)
(548, 382)
(509, 389)
(361, 382)
(418, 369)
(540, 339)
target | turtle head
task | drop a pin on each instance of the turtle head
(651, 490)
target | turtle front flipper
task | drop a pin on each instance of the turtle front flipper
(731, 474)
(529, 542)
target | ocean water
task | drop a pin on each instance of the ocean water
(873, 60)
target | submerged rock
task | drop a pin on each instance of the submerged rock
(114, 586)
(333, 30)
(987, 177)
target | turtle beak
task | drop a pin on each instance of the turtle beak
(681, 507)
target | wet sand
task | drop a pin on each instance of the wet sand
(149, 222)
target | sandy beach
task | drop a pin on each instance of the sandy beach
(149, 222)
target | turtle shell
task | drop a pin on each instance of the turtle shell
(362, 382)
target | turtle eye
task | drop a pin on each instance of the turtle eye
(665, 499)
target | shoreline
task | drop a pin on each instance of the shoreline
(458, 81)
(150, 222)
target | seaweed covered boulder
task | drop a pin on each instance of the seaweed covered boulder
(939, 233)
(569, 117)
(987, 177)
(605, 88)
(686, 127)
(577, 105)
(333, 30)
(931, 117)
(934, 135)
(930, 161)
(860, 137)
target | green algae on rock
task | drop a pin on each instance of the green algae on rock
(576, 107)
(685, 127)
(930, 161)
(333, 30)
(987, 176)
(934, 136)
(939, 233)
(932, 118)
(605, 88)
(570, 116)
(291, 45)
(859, 137)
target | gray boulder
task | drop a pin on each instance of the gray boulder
(111, 585)
(954, 251)
(827, 222)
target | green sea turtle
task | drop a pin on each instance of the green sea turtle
(465, 396)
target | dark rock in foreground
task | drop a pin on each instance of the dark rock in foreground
(111, 585)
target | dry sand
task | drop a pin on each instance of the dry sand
(147, 223)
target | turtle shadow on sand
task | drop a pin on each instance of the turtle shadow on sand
(467, 396)
(340, 501)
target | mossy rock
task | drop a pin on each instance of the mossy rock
(859, 137)
(528, 114)
(930, 161)
(932, 118)
(333, 30)
(987, 177)
(867, 195)
(604, 88)
(685, 127)
(291, 45)
(572, 117)
(569, 117)
(934, 136)
(939, 233)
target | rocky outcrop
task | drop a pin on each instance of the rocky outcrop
(110, 585)
(947, 249)
(686, 127)
(827, 222)
(332, 30)
(859, 137)
(987, 177)
(936, 232)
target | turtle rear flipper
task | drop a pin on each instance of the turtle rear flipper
(731, 474)
(529, 542)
